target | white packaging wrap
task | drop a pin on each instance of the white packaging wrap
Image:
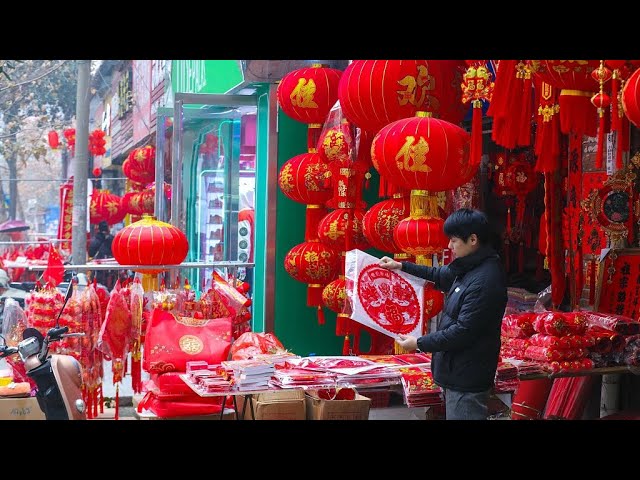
(389, 301)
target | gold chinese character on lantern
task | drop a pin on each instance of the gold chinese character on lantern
(413, 158)
(416, 88)
(302, 95)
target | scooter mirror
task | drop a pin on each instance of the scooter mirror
(32, 332)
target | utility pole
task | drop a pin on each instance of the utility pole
(81, 165)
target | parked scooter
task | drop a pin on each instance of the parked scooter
(58, 377)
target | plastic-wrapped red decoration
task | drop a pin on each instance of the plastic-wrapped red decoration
(374, 93)
(150, 242)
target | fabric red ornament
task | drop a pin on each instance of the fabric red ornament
(172, 340)
(379, 222)
(105, 206)
(314, 264)
(97, 172)
(342, 230)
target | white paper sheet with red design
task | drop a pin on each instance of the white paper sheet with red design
(389, 301)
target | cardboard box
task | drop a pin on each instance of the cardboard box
(276, 405)
(319, 409)
(20, 409)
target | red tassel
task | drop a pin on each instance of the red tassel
(341, 325)
(345, 345)
(524, 132)
(600, 147)
(314, 295)
(87, 400)
(321, 319)
(507, 255)
(117, 413)
(592, 282)
(136, 375)
(476, 134)
(313, 215)
(101, 399)
(94, 401)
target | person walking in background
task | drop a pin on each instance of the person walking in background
(99, 248)
(466, 345)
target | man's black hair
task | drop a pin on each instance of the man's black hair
(103, 227)
(462, 223)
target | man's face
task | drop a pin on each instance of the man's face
(461, 248)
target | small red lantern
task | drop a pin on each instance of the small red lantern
(105, 206)
(341, 230)
(150, 242)
(337, 143)
(374, 93)
(97, 172)
(54, 141)
(423, 153)
(380, 221)
(140, 164)
(302, 179)
(70, 136)
(97, 142)
(334, 296)
(314, 264)
(307, 94)
(421, 237)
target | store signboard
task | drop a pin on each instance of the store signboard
(142, 99)
(205, 76)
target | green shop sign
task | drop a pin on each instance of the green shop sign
(205, 76)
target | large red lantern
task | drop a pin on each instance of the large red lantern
(423, 153)
(150, 242)
(380, 221)
(307, 94)
(341, 230)
(334, 296)
(374, 93)
(105, 206)
(314, 264)
(631, 98)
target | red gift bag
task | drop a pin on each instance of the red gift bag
(172, 341)
(180, 407)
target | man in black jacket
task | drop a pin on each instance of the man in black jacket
(466, 344)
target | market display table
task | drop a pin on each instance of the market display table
(580, 373)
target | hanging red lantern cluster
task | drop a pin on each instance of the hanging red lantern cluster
(140, 165)
(53, 139)
(70, 137)
(150, 242)
(97, 143)
(307, 95)
(374, 93)
(107, 207)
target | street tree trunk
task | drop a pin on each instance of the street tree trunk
(12, 162)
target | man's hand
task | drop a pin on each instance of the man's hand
(390, 264)
(408, 342)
